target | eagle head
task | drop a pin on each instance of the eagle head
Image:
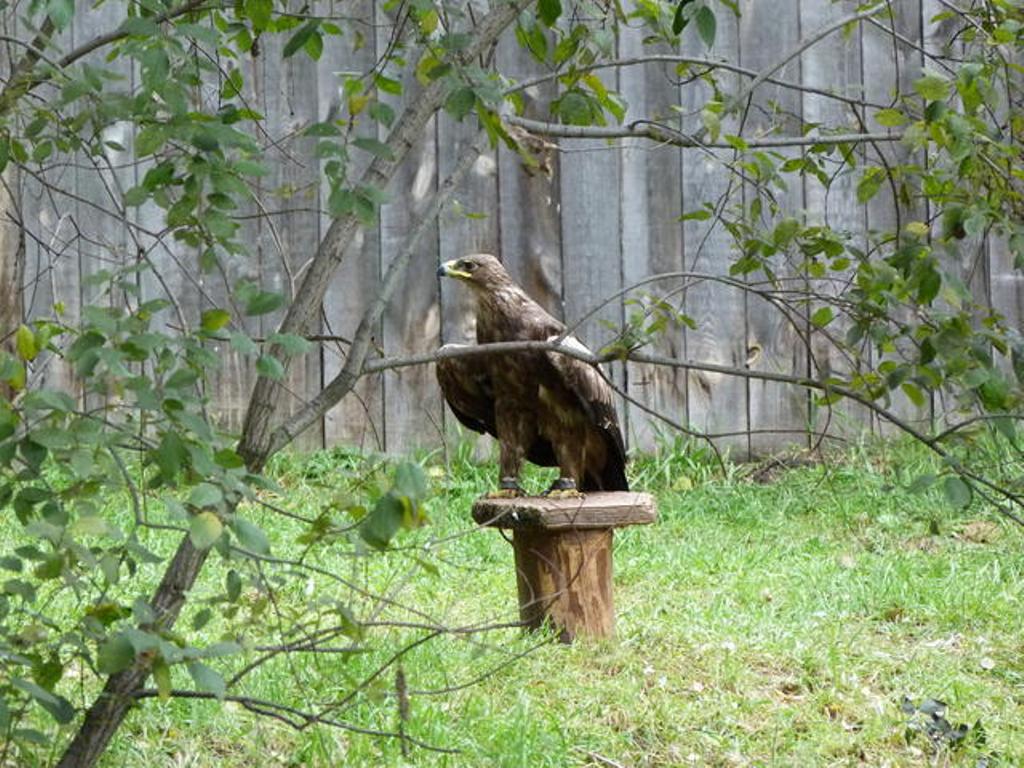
(480, 270)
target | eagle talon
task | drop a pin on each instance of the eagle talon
(508, 488)
(563, 488)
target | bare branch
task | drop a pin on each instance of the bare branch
(668, 58)
(296, 718)
(664, 134)
(351, 371)
(257, 440)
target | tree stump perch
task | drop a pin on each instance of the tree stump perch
(563, 555)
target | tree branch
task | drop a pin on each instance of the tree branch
(296, 718)
(351, 371)
(665, 135)
(23, 81)
(670, 58)
(826, 386)
(264, 403)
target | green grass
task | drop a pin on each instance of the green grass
(758, 624)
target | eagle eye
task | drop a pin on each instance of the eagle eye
(467, 266)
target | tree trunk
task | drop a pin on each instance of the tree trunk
(110, 708)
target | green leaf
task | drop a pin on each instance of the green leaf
(958, 493)
(822, 316)
(922, 483)
(228, 458)
(314, 46)
(263, 302)
(136, 196)
(205, 495)
(932, 87)
(25, 343)
(251, 536)
(410, 480)
(890, 118)
(259, 12)
(914, 392)
(707, 26)
(381, 525)
(162, 678)
(233, 586)
(207, 679)
(785, 231)
(679, 20)
(90, 525)
(49, 400)
(869, 184)
(291, 343)
(701, 214)
(460, 102)
(548, 11)
(205, 529)
(270, 367)
(388, 85)
(171, 455)
(115, 655)
(181, 378)
(300, 38)
(375, 147)
(61, 12)
(214, 319)
(574, 108)
(58, 707)
(382, 113)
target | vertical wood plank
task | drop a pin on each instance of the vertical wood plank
(890, 69)
(717, 403)
(289, 240)
(412, 323)
(529, 212)
(468, 224)
(652, 238)
(99, 218)
(835, 66)
(231, 384)
(590, 182)
(964, 260)
(359, 418)
(774, 343)
(51, 276)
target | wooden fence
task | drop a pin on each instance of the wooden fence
(608, 216)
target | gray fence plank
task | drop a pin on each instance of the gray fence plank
(290, 104)
(775, 343)
(359, 418)
(529, 214)
(412, 401)
(652, 240)
(590, 181)
(833, 66)
(717, 403)
(883, 83)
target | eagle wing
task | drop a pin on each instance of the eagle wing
(469, 392)
(594, 394)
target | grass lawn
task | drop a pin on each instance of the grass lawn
(759, 623)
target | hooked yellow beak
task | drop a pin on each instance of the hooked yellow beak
(448, 270)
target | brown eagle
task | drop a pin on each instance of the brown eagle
(549, 408)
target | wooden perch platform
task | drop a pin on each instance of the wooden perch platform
(563, 554)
